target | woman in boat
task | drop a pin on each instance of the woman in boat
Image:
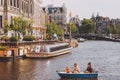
(89, 68)
(76, 68)
(67, 70)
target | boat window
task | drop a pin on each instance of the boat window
(58, 48)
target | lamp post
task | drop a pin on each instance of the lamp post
(70, 36)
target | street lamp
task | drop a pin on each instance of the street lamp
(70, 36)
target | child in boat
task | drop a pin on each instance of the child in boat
(67, 70)
(89, 68)
(76, 68)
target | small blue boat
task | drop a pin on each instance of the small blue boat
(65, 75)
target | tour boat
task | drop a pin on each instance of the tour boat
(48, 51)
(65, 75)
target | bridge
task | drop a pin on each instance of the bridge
(97, 37)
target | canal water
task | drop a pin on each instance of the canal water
(104, 56)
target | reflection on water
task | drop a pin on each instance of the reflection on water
(105, 57)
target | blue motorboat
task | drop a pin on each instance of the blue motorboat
(65, 75)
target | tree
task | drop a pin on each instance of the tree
(118, 30)
(112, 29)
(6, 26)
(21, 25)
(54, 28)
(108, 29)
(73, 27)
(87, 26)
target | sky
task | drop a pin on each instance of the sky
(85, 8)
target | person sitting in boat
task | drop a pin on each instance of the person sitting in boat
(76, 68)
(89, 68)
(67, 70)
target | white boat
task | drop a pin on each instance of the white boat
(80, 39)
(49, 50)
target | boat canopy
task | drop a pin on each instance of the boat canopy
(47, 48)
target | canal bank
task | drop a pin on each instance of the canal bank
(35, 49)
(15, 50)
(103, 55)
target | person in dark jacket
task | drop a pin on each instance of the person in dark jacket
(89, 68)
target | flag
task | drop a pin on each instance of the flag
(70, 14)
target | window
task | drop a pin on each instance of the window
(10, 2)
(17, 3)
(0, 21)
(14, 3)
(1, 2)
(31, 8)
(26, 8)
(58, 48)
(50, 11)
(22, 6)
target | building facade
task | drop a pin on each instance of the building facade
(56, 14)
(101, 23)
(29, 9)
(39, 18)
(75, 20)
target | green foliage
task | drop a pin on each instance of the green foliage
(29, 38)
(21, 25)
(54, 28)
(113, 30)
(6, 26)
(118, 30)
(87, 26)
(73, 27)
(61, 39)
(2, 48)
(13, 39)
(5, 38)
(49, 37)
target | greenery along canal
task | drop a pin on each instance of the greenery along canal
(104, 56)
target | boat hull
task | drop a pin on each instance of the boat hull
(48, 55)
(80, 75)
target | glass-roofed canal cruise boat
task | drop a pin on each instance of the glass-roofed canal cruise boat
(49, 50)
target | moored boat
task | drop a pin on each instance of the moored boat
(65, 75)
(81, 40)
(47, 51)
